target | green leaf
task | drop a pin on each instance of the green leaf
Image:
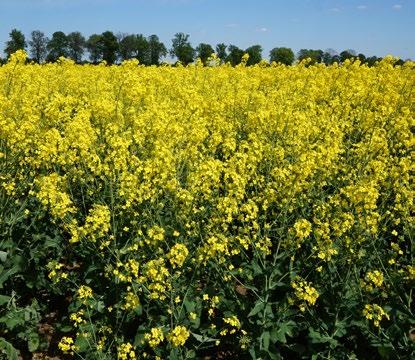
(265, 340)
(190, 354)
(66, 328)
(317, 338)
(189, 305)
(174, 355)
(269, 312)
(6, 274)
(3, 256)
(82, 343)
(280, 333)
(259, 306)
(14, 321)
(99, 306)
(8, 349)
(4, 299)
(385, 351)
(203, 339)
(33, 342)
(52, 243)
(257, 269)
(252, 353)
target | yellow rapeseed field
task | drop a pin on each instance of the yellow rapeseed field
(181, 212)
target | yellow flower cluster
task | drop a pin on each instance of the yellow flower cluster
(97, 223)
(154, 337)
(128, 271)
(84, 292)
(131, 301)
(410, 273)
(232, 321)
(126, 352)
(77, 318)
(234, 324)
(154, 235)
(302, 228)
(178, 336)
(66, 345)
(375, 313)
(373, 279)
(214, 301)
(55, 274)
(157, 276)
(52, 195)
(177, 255)
(304, 293)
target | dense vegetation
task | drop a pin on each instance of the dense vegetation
(207, 211)
(150, 50)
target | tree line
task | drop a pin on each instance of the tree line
(114, 48)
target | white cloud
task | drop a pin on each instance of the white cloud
(232, 25)
(362, 7)
(262, 29)
(397, 7)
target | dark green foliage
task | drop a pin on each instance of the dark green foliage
(316, 56)
(221, 52)
(255, 54)
(76, 46)
(38, 46)
(109, 47)
(182, 49)
(17, 42)
(234, 55)
(156, 49)
(204, 51)
(57, 46)
(282, 55)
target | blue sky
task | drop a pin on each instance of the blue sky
(373, 27)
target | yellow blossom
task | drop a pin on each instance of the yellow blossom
(178, 336)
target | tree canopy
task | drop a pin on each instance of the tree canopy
(76, 46)
(38, 46)
(182, 49)
(282, 55)
(57, 46)
(150, 50)
(204, 51)
(17, 42)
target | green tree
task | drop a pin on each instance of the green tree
(134, 46)
(126, 46)
(362, 58)
(38, 43)
(94, 47)
(204, 51)
(255, 54)
(142, 49)
(182, 49)
(17, 42)
(76, 46)
(316, 56)
(57, 46)
(347, 54)
(221, 52)
(372, 60)
(234, 55)
(156, 50)
(109, 47)
(282, 55)
(330, 56)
